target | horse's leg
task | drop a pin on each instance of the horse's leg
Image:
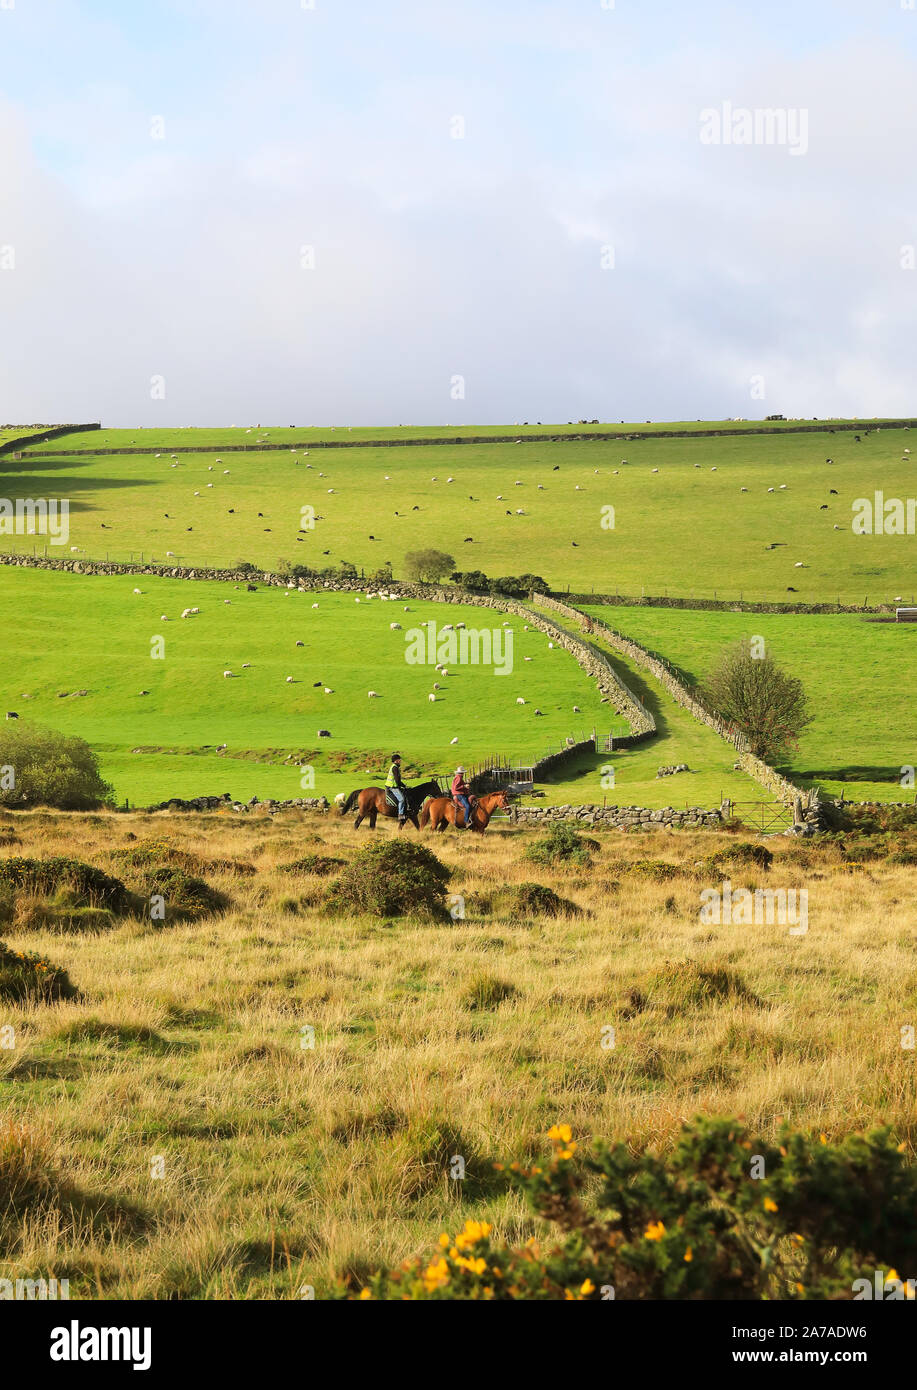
(373, 813)
(356, 824)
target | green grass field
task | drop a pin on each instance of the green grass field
(685, 529)
(856, 671)
(171, 437)
(93, 633)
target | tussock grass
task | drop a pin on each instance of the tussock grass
(307, 1080)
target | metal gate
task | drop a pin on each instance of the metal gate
(772, 816)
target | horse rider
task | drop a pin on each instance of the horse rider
(395, 784)
(460, 791)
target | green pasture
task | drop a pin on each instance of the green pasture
(215, 437)
(857, 671)
(686, 529)
(68, 633)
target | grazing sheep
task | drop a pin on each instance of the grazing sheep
(144, 692)
(770, 489)
(289, 680)
(432, 699)
(137, 591)
(324, 733)
(11, 714)
(227, 674)
(373, 694)
(246, 666)
(576, 709)
(436, 685)
(550, 644)
(453, 740)
(538, 711)
(300, 644)
(394, 627)
(519, 700)
(328, 690)
(315, 605)
(654, 470)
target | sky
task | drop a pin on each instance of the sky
(484, 211)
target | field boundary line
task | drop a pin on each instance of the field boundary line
(767, 776)
(594, 436)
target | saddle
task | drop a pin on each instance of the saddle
(390, 799)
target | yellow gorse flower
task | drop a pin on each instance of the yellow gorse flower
(587, 1287)
(436, 1274)
(654, 1231)
(561, 1134)
(770, 1204)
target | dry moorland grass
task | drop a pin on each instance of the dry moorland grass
(286, 1165)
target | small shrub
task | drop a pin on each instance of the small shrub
(313, 864)
(25, 975)
(692, 1225)
(486, 992)
(562, 845)
(391, 878)
(51, 769)
(44, 877)
(186, 896)
(534, 900)
(746, 854)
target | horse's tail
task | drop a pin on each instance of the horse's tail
(351, 801)
(425, 816)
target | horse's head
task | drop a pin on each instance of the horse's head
(500, 801)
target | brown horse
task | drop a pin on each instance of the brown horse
(442, 811)
(372, 802)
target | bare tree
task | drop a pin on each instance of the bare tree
(754, 694)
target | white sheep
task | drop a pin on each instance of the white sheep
(315, 605)
(289, 680)
(576, 709)
(137, 591)
(328, 690)
(300, 644)
(432, 699)
(394, 627)
(436, 685)
(519, 700)
(372, 694)
(453, 740)
(227, 674)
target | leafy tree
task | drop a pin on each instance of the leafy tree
(767, 704)
(428, 565)
(40, 767)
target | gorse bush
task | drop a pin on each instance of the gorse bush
(184, 895)
(725, 1216)
(320, 864)
(49, 769)
(25, 975)
(561, 845)
(535, 900)
(391, 878)
(89, 886)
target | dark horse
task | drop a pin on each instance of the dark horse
(373, 802)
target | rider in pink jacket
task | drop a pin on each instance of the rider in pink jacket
(460, 790)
